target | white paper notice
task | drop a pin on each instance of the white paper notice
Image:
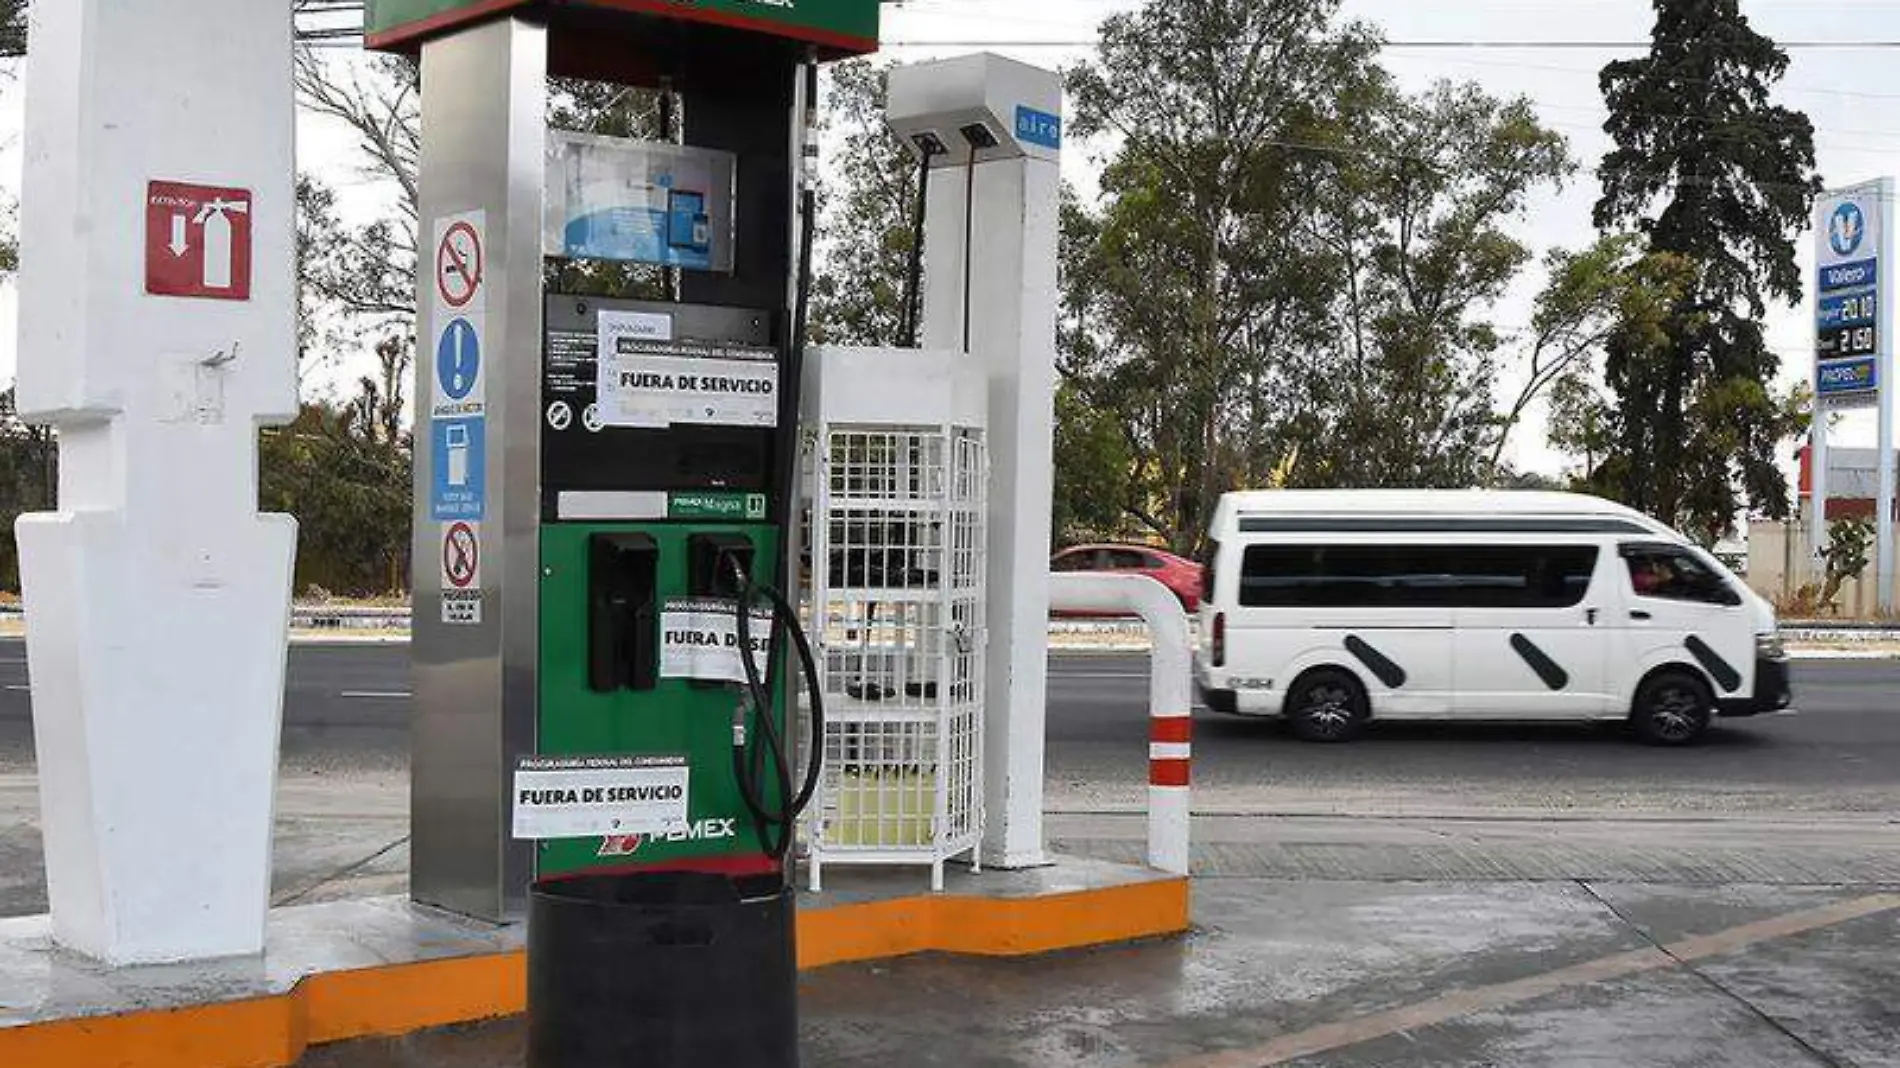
(619, 336)
(700, 640)
(636, 326)
(646, 382)
(586, 797)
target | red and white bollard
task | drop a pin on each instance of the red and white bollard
(1170, 701)
(1168, 789)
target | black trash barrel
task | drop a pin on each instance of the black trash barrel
(667, 970)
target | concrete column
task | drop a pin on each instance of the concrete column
(1004, 199)
(158, 333)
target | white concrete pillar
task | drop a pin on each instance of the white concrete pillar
(157, 333)
(1011, 191)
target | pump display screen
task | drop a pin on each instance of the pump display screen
(647, 405)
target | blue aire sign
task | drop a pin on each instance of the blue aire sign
(1849, 368)
(1038, 127)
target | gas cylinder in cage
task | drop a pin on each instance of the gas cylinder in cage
(896, 537)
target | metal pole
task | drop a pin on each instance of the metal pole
(1817, 487)
(1883, 526)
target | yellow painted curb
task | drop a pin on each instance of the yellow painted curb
(272, 1032)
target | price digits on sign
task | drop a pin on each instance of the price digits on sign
(1858, 309)
(1849, 341)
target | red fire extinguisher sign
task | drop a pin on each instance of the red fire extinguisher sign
(197, 241)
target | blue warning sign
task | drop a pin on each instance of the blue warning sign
(459, 453)
(458, 369)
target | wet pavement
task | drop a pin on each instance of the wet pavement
(1366, 975)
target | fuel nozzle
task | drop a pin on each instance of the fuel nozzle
(741, 712)
(719, 565)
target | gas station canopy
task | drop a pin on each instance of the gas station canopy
(838, 27)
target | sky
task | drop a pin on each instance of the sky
(1849, 93)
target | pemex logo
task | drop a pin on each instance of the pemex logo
(1846, 229)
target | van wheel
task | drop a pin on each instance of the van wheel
(1327, 706)
(1674, 708)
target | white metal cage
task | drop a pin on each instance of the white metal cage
(896, 540)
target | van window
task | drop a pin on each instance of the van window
(1672, 574)
(1416, 576)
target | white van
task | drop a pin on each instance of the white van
(1333, 607)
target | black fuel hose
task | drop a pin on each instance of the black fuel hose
(776, 823)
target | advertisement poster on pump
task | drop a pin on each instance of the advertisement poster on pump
(635, 201)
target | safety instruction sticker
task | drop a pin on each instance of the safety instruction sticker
(462, 574)
(699, 639)
(460, 378)
(595, 796)
(459, 451)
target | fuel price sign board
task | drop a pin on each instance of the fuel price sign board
(1850, 226)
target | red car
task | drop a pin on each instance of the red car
(1179, 575)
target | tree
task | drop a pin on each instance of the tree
(12, 29)
(350, 491)
(868, 213)
(29, 480)
(1289, 276)
(1848, 542)
(1189, 281)
(1421, 240)
(367, 272)
(1589, 297)
(1696, 422)
(1092, 471)
(1581, 425)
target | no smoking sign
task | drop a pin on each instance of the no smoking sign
(461, 261)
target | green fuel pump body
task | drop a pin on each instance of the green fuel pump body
(640, 529)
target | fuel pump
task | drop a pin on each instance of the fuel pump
(662, 551)
(607, 659)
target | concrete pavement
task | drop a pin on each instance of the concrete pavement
(1368, 975)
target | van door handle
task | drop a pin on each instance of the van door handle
(1590, 616)
(1639, 614)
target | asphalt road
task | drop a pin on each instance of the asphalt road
(348, 707)
(1840, 752)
